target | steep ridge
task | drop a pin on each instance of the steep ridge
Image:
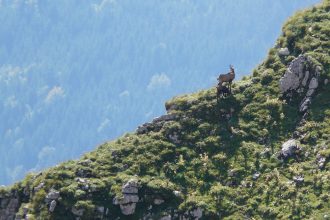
(261, 153)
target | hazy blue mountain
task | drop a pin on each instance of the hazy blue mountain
(76, 73)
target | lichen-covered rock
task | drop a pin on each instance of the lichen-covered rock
(289, 148)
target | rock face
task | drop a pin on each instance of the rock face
(289, 149)
(301, 79)
(8, 207)
(129, 199)
(156, 124)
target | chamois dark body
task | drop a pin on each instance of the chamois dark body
(228, 77)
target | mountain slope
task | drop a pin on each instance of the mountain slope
(73, 73)
(260, 153)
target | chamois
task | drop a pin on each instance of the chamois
(229, 77)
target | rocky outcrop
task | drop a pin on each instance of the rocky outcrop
(39, 187)
(255, 176)
(289, 148)
(156, 124)
(301, 79)
(129, 199)
(298, 179)
(195, 214)
(52, 206)
(320, 160)
(9, 205)
(77, 212)
(174, 138)
(52, 195)
(283, 51)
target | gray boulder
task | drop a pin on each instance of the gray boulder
(77, 212)
(39, 187)
(320, 160)
(174, 138)
(52, 195)
(305, 104)
(195, 214)
(158, 201)
(301, 79)
(177, 193)
(314, 83)
(283, 51)
(294, 75)
(52, 206)
(256, 175)
(128, 209)
(130, 197)
(167, 217)
(130, 187)
(298, 179)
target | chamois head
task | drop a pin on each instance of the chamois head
(231, 68)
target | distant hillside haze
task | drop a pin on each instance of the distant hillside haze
(74, 74)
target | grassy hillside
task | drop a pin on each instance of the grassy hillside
(209, 160)
(74, 74)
